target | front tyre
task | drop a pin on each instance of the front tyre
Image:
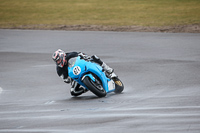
(95, 87)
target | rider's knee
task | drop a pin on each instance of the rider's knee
(77, 91)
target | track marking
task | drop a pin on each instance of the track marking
(50, 102)
(1, 90)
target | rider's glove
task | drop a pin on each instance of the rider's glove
(67, 80)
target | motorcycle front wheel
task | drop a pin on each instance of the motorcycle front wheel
(95, 87)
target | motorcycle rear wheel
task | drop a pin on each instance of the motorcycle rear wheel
(119, 86)
(94, 87)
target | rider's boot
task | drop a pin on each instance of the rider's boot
(109, 70)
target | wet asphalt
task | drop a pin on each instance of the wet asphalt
(160, 72)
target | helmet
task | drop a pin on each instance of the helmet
(59, 57)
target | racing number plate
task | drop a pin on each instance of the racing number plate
(76, 70)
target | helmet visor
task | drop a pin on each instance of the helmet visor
(58, 61)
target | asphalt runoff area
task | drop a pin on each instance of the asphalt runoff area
(160, 72)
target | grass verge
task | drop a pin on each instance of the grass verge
(55, 13)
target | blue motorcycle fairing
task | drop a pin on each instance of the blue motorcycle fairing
(88, 75)
(82, 68)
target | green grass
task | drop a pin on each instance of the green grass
(14, 13)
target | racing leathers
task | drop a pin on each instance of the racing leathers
(77, 89)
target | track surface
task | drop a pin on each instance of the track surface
(160, 71)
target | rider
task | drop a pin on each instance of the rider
(61, 58)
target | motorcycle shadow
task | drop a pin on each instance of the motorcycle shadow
(93, 97)
(84, 98)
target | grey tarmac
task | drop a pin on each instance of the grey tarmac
(160, 72)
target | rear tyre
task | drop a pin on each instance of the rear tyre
(119, 86)
(95, 87)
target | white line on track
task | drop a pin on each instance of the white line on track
(1, 90)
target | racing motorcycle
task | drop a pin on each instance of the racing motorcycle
(92, 76)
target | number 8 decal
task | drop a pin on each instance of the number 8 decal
(76, 70)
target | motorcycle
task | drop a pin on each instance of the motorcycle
(92, 76)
